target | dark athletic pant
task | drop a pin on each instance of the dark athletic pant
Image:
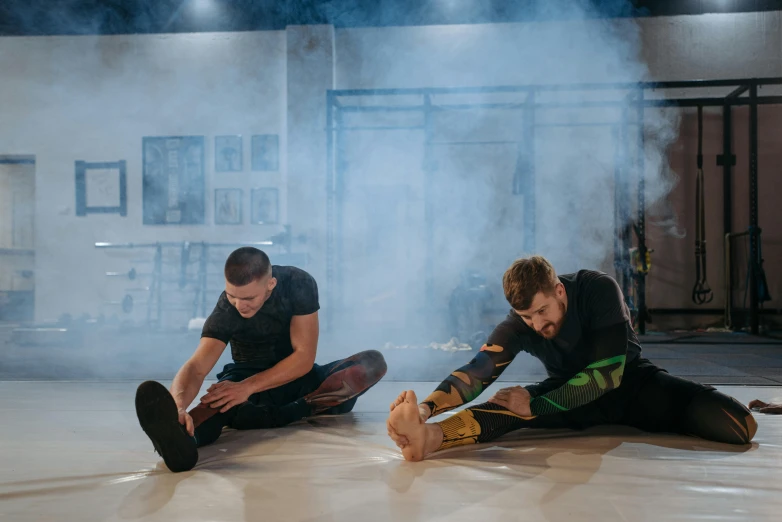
(648, 399)
(272, 408)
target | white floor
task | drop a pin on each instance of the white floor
(74, 452)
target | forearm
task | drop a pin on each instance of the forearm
(468, 382)
(540, 388)
(597, 379)
(289, 369)
(186, 385)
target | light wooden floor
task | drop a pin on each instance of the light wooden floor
(74, 452)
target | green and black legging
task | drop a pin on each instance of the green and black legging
(607, 391)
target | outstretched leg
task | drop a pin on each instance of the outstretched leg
(666, 403)
(481, 423)
(251, 416)
(406, 421)
(715, 416)
(209, 422)
(157, 413)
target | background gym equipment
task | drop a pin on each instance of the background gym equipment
(739, 266)
(528, 102)
(126, 304)
(701, 292)
(190, 274)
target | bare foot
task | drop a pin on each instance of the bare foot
(406, 421)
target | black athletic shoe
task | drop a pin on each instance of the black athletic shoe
(157, 414)
(347, 380)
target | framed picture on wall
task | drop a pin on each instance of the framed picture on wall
(228, 206)
(228, 153)
(101, 188)
(265, 206)
(173, 180)
(266, 152)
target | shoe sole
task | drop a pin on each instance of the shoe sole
(158, 416)
(335, 397)
(343, 385)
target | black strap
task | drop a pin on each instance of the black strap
(763, 292)
(701, 292)
(700, 138)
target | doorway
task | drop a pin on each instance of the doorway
(17, 238)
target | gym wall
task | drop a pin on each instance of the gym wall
(95, 98)
(709, 46)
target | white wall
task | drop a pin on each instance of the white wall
(738, 45)
(310, 73)
(6, 206)
(94, 99)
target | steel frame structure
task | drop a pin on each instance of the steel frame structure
(637, 97)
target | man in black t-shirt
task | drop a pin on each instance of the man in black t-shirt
(579, 327)
(269, 315)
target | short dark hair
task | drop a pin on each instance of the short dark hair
(525, 278)
(245, 265)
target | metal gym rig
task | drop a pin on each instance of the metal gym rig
(632, 261)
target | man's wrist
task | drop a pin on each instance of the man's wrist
(251, 384)
(178, 401)
(425, 410)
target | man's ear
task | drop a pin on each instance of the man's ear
(272, 283)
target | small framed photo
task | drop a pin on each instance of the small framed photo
(228, 153)
(228, 206)
(265, 206)
(101, 188)
(266, 152)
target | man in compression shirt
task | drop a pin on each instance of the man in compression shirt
(579, 327)
(269, 316)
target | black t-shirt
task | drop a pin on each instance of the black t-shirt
(264, 339)
(594, 302)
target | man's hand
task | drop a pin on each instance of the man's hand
(227, 394)
(400, 440)
(187, 421)
(515, 399)
(765, 407)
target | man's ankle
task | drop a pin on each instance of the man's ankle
(434, 438)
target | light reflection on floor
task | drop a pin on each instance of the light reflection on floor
(74, 451)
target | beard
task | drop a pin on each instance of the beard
(551, 330)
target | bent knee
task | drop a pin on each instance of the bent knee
(737, 434)
(717, 417)
(374, 358)
(752, 426)
(374, 362)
